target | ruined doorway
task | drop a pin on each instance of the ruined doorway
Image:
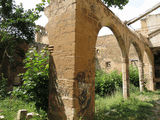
(156, 52)
(157, 64)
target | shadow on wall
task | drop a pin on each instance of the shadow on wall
(56, 109)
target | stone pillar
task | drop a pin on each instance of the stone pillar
(72, 30)
(150, 82)
(125, 77)
(61, 35)
(141, 75)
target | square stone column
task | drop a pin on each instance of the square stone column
(150, 82)
(141, 75)
(72, 30)
(125, 77)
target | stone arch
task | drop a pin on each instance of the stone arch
(138, 50)
(140, 65)
(108, 52)
(124, 55)
(149, 73)
(120, 40)
(72, 29)
(85, 64)
(125, 60)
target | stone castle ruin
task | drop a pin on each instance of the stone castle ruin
(72, 33)
(72, 36)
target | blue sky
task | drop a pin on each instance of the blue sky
(131, 10)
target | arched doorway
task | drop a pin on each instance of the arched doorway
(108, 52)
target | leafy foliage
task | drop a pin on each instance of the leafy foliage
(107, 83)
(133, 75)
(118, 3)
(17, 26)
(35, 79)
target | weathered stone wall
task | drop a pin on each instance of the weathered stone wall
(41, 36)
(72, 29)
(151, 27)
(149, 24)
(108, 54)
(61, 34)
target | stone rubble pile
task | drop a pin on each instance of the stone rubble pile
(24, 115)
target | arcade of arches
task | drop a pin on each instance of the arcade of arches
(72, 29)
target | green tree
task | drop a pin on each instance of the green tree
(16, 25)
(116, 3)
(17, 29)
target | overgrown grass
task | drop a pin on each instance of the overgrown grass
(10, 106)
(140, 106)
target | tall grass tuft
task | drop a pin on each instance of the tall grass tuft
(114, 107)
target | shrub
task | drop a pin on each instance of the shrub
(35, 79)
(107, 83)
(117, 78)
(133, 75)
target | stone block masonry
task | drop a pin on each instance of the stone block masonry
(72, 29)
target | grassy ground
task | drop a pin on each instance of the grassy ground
(141, 106)
(10, 106)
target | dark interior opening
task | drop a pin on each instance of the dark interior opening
(157, 63)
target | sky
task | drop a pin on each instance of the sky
(133, 9)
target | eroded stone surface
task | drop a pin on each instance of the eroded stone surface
(72, 29)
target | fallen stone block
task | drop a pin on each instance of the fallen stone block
(1, 117)
(21, 115)
(31, 115)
